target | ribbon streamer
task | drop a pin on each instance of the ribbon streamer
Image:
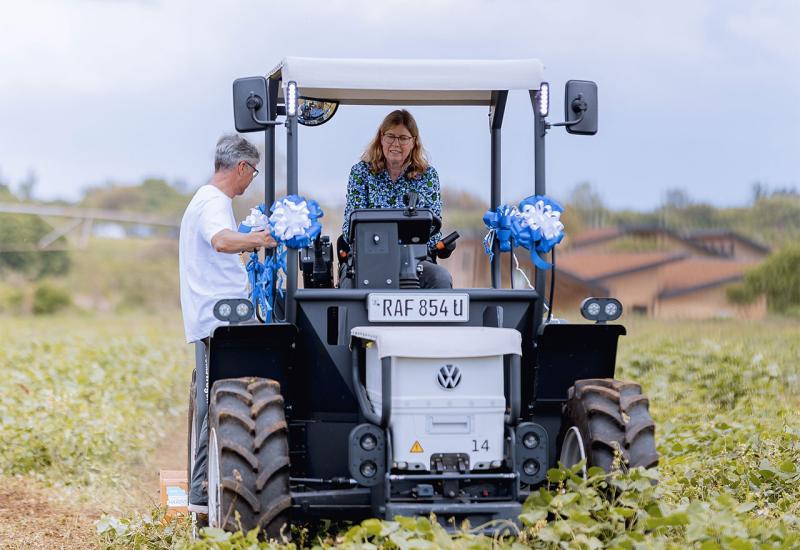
(535, 225)
(293, 223)
(499, 223)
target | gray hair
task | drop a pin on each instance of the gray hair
(233, 149)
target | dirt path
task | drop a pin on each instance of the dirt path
(29, 518)
(32, 517)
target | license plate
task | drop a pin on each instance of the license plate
(413, 307)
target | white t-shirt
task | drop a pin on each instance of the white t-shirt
(207, 275)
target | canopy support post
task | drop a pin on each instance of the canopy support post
(496, 112)
(291, 189)
(540, 188)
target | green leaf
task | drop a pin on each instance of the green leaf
(533, 516)
(555, 475)
(373, 527)
(671, 520)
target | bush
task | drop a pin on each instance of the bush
(48, 299)
(11, 300)
(778, 277)
(19, 235)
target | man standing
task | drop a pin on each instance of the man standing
(211, 270)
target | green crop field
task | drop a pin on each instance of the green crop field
(84, 402)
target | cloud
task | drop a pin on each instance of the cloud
(115, 89)
(770, 26)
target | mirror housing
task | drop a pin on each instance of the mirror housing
(580, 107)
(315, 112)
(250, 104)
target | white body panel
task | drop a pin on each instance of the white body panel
(427, 418)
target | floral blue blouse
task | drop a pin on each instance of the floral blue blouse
(384, 193)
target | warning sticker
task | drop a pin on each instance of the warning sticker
(416, 448)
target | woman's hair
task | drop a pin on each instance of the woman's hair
(373, 156)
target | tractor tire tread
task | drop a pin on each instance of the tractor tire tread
(268, 432)
(270, 470)
(277, 508)
(258, 406)
(613, 417)
(240, 450)
(236, 487)
(254, 441)
(245, 421)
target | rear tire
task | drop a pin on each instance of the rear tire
(610, 418)
(248, 468)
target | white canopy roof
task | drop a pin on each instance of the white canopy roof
(441, 342)
(408, 81)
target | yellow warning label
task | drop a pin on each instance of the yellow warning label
(417, 448)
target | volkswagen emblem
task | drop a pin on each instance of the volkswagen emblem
(449, 376)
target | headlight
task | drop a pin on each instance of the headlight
(530, 440)
(243, 310)
(368, 442)
(543, 99)
(531, 467)
(601, 310)
(291, 98)
(368, 469)
(233, 310)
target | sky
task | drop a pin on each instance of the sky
(698, 95)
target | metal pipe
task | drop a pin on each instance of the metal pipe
(291, 189)
(439, 477)
(269, 166)
(514, 389)
(496, 112)
(494, 202)
(361, 394)
(540, 188)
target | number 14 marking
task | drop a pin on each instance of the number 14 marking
(484, 446)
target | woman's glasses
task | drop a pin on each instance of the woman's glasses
(389, 139)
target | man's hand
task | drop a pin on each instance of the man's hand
(233, 242)
(263, 239)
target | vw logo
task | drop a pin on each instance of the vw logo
(449, 376)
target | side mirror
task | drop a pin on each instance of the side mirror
(250, 104)
(580, 107)
(315, 112)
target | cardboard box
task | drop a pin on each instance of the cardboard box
(174, 491)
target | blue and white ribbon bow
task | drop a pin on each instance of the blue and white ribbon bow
(293, 223)
(499, 224)
(535, 225)
(257, 220)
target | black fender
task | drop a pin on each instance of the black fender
(566, 353)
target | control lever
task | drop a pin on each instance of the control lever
(446, 246)
(411, 198)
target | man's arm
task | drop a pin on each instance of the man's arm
(233, 242)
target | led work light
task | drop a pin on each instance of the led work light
(601, 310)
(291, 98)
(234, 310)
(543, 99)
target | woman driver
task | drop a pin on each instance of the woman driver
(394, 164)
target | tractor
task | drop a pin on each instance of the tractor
(383, 399)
